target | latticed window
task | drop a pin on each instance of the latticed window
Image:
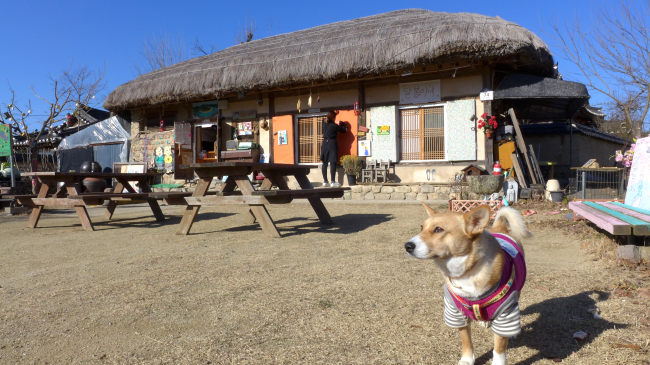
(310, 138)
(423, 133)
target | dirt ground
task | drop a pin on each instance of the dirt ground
(133, 292)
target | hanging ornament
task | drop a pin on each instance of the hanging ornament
(357, 108)
(309, 101)
(298, 105)
(318, 98)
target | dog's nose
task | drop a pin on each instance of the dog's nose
(409, 246)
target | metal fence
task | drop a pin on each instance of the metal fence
(599, 183)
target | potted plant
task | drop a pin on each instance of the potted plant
(352, 167)
(488, 124)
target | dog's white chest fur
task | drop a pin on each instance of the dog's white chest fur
(461, 280)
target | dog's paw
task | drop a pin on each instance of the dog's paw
(466, 361)
(498, 359)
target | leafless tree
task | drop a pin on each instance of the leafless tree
(612, 54)
(246, 32)
(74, 88)
(616, 121)
(160, 51)
(199, 50)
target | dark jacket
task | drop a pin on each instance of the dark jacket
(330, 148)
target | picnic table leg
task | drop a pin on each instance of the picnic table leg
(38, 209)
(81, 211)
(153, 204)
(316, 203)
(259, 211)
(267, 184)
(191, 210)
(110, 209)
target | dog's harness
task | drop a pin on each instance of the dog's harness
(512, 279)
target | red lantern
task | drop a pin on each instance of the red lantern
(162, 125)
(357, 108)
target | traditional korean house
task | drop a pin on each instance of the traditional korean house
(407, 83)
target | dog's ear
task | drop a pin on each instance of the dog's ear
(477, 219)
(430, 211)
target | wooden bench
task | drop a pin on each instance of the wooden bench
(261, 197)
(614, 217)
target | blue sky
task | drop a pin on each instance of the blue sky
(41, 38)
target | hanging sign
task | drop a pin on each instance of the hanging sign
(419, 92)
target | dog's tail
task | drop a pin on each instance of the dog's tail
(509, 220)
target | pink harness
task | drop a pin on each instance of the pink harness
(512, 279)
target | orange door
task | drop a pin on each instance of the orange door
(348, 141)
(283, 153)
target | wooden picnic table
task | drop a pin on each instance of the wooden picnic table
(257, 200)
(79, 201)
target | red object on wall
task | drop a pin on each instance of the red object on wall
(357, 108)
(497, 168)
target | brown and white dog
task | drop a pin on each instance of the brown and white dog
(479, 267)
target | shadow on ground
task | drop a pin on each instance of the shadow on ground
(139, 222)
(557, 319)
(343, 224)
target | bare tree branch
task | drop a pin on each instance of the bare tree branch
(200, 50)
(159, 52)
(246, 32)
(612, 55)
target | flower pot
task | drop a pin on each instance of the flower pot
(557, 196)
(488, 134)
(352, 179)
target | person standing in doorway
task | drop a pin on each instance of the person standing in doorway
(329, 152)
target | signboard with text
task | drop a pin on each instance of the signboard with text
(419, 92)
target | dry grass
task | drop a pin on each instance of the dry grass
(135, 293)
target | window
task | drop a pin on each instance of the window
(423, 133)
(310, 138)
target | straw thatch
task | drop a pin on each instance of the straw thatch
(361, 46)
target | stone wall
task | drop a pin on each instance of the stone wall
(407, 192)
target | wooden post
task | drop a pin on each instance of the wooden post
(489, 154)
(522, 145)
(271, 115)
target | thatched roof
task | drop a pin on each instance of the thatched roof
(361, 46)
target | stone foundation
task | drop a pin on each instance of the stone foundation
(407, 192)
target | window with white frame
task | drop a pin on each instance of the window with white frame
(422, 132)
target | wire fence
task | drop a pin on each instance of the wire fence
(599, 183)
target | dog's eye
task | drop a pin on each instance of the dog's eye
(438, 230)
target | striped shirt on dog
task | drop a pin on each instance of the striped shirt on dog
(500, 308)
(505, 323)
